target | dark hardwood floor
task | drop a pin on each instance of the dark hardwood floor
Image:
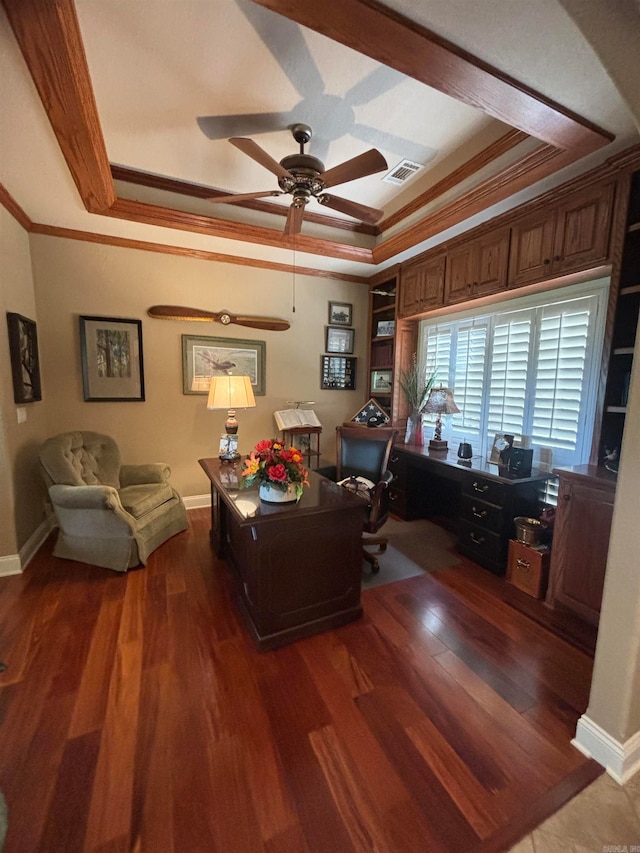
(137, 716)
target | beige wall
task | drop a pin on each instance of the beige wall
(73, 278)
(21, 506)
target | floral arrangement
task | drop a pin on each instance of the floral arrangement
(271, 463)
(416, 385)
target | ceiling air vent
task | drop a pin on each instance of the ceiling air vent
(402, 172)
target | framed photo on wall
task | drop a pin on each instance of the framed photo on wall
(25, 363)
(111, 355)
(204, 357)
(340, 313)
(337, 373)
(339, 339)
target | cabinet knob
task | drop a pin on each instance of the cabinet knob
(546, 261)
(566, 497)
(557, 257)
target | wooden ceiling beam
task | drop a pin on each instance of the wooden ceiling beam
(48, 34)
(376, 31)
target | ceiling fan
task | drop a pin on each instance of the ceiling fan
(178, 312)
(304, 177)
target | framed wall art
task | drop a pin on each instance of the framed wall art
(381, 381)
(25, 362)
(340, 313)
(339, 339)
(338, 373)
(204, 357)
(111, 355)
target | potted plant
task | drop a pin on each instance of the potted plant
(416, 385)
(277, 469)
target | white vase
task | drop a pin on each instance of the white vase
(274, 495)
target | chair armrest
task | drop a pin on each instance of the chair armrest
(135, 475)
(85, 497)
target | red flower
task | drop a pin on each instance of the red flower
(278, 473)
(286, 456)
(263, 446)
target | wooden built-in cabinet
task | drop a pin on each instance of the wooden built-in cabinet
(571, 237)
(581, 539)
(422, 286)
(477, 267)
(382, 308)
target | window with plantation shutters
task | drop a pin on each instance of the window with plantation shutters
(529, 367)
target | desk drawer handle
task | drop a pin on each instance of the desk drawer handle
(394, 458)
(481, 514)
(523, 564)
(478, 540)
(479, 488)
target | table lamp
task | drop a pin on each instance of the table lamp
(231, 393)
(440, 402)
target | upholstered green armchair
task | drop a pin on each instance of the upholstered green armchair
(109, 515)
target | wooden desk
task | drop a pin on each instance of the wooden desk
(478, 498)
(298, 566)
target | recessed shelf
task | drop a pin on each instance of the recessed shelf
(634, 227)
(632, 288)
(620, 410)
(624, 351)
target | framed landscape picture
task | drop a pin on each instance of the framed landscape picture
(340, 313)
(25, 363)
(111, 355)
(204, 357)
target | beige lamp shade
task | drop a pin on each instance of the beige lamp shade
(441, 402)
(230, 392)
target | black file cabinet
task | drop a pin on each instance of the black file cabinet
(487, 509)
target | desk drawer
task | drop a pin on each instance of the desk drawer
(397, 501)
(481, 514)
(482, 488)
(480, 544)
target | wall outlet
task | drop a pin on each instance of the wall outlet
(21, 414)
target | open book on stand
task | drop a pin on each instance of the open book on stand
(292, 418)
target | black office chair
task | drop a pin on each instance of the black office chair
(364, 452)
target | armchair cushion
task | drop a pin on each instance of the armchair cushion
(139, 500)
(109, 515)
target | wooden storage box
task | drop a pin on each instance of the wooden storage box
(528, 568)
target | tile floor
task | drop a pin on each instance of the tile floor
(604, 818)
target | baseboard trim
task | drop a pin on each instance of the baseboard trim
(10, 565)
(197, 501)
(620, 760)
(36, 540)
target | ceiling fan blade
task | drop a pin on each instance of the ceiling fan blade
(253, 150)
(293, 225)
(222, 127)
(229, 199)
(179, 312)
(352, 208)
(365, 164)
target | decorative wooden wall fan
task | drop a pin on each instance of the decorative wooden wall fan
(178, 312)
(304, 177)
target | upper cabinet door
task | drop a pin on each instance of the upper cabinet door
(462, 266)
(422, 286)
(492, 262)
(532, 248)
(583, 230)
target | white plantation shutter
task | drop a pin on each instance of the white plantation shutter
(562, 353)
(468, 378)
(529, 368)
(509, 373)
